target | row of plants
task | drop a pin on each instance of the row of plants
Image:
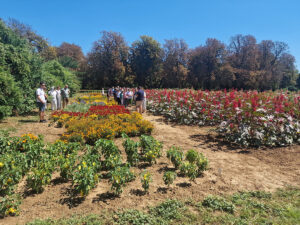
(90, 129)
(253, 207)
(28, 158)
(94, 111)
(94, 98)
(247, 118)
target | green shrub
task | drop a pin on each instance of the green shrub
(170, 209)
(131, 149)
(146, 179)
(175, 154)
(151, 148)
(169, 178)
(10, 95)
(218, 203)
(119, 177)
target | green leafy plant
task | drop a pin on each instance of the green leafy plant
(151, 148)
(119, 177)
(146, 179)
(11, 172)
(169, 210)
(189, 169)
(66, 165)
(112, 161)
(85, 177)
(218, 203)
(175, 154)
(131, 149)
(107, 147)
(41, 174)
(197, 158)
(169, 177)
(9, 205)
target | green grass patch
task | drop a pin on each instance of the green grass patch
(281, 207)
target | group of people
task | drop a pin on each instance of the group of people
(59, 99)
(129, 96)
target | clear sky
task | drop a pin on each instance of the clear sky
(80, 21)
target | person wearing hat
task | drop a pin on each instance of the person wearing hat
(41, 101)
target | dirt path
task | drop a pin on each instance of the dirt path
(230, 171)
(29, 124)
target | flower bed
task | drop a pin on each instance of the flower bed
(248, 118)
(101, 122)
(90, 129)
(94, 98)
(61, 117)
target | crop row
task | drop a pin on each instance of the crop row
(28, 158)
(247, 118)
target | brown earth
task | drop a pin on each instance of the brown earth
(231, 170)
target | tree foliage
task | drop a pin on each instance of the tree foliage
(242, 64)
(146, 62)
(22, 68)
(107, 61)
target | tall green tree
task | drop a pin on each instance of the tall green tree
(107, 61)
(175, 63)
(146, 62)
(206, 64)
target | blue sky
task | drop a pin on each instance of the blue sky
(80, 22)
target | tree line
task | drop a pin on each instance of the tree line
(242, 64)
(26, 58)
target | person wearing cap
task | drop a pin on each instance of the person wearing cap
(41, 101)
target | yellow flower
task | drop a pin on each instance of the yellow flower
(81, 193)
(79, 167)
(1, 164)
(11, 210)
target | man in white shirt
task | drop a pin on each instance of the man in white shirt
(41, 101)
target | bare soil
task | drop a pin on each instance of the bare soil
(231, 169)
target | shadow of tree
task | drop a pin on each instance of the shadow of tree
(216, 143)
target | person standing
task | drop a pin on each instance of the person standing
(139, 100)
(122, 96)
(41, 101)
(144, 102)
(58, 98)
(65, 95)
(126, 96)
(130, 96)
(53, 94)
(118, 94)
